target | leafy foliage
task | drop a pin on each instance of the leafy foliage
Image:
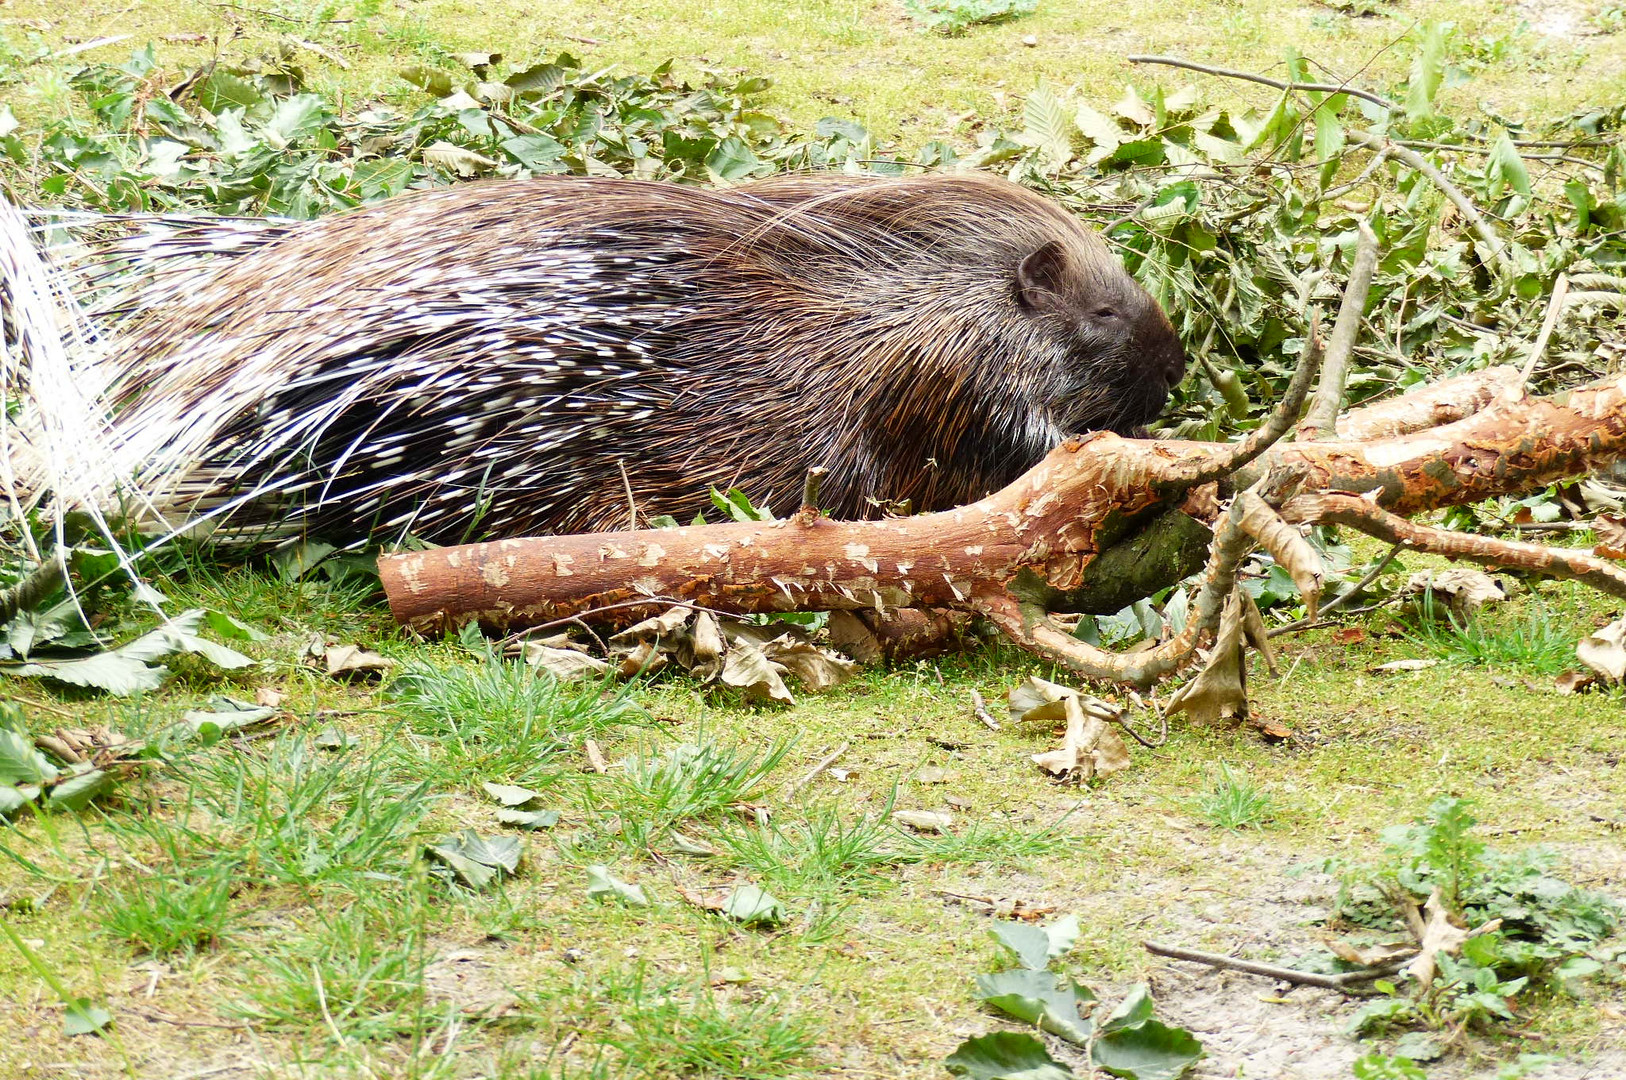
(1124, 1041)
(952, 17)
(1541, 930)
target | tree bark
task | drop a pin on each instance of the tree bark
(1016, 549)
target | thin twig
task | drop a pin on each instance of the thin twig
(1555, 307)
(1265, 80)
(1464, 205)
(979, 709)
(1344, 597)
(824, 763)
(1278, 423)
(1322, 420)
(1340, 981)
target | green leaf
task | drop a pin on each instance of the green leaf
(733, 159)
(83, 1018)
(436, 83)
(534, 151)
(14, 798)
(1329, 131)
(1033, 946)
(1006, 1055)
(477, 860)
(20, 763)
(1151, 1050)
(510, 795)
(1039, 997)
(294, 117)
(754, 907)
(76, 792)
(602, 884)
(226, 626)
(529, 819)
(294, 562)
(223, 90)
(1507, 167)
(229, 715)
(124, 670)
(1135, 1008)
(1427, 70)
(1048, 126)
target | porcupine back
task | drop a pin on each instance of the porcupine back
(510, 357)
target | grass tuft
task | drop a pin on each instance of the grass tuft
(1233, 802)
(665, 1032)
(1535, 642)
(655, 792)
(501, 720)
(174, 912)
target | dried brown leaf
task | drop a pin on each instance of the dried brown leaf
(1610, 533)
(352, 661)
(1219, 692)
(1436, 933)
(1460, 589)
(1287, 546)
(1604, 651)
(566, 665)
(752, 672)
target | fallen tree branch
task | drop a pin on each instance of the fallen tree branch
(1340, 981)
(1430, 405)
(1321, 421)
(1357, 513)
(999, 557)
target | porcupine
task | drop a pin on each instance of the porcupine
(514, 357)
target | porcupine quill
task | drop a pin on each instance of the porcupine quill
(503, 358)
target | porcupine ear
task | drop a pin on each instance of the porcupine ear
(1041, 277)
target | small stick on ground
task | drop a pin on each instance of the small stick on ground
(595, 757)
(1341, 981)
(979, 709)
(824, 763)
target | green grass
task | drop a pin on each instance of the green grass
(500, 721)
(1532, 641)
(658, 788)
(1233, 802)
(667, 1029)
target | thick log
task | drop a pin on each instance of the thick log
(1034, 537)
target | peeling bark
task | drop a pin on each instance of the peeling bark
(1009, 555)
